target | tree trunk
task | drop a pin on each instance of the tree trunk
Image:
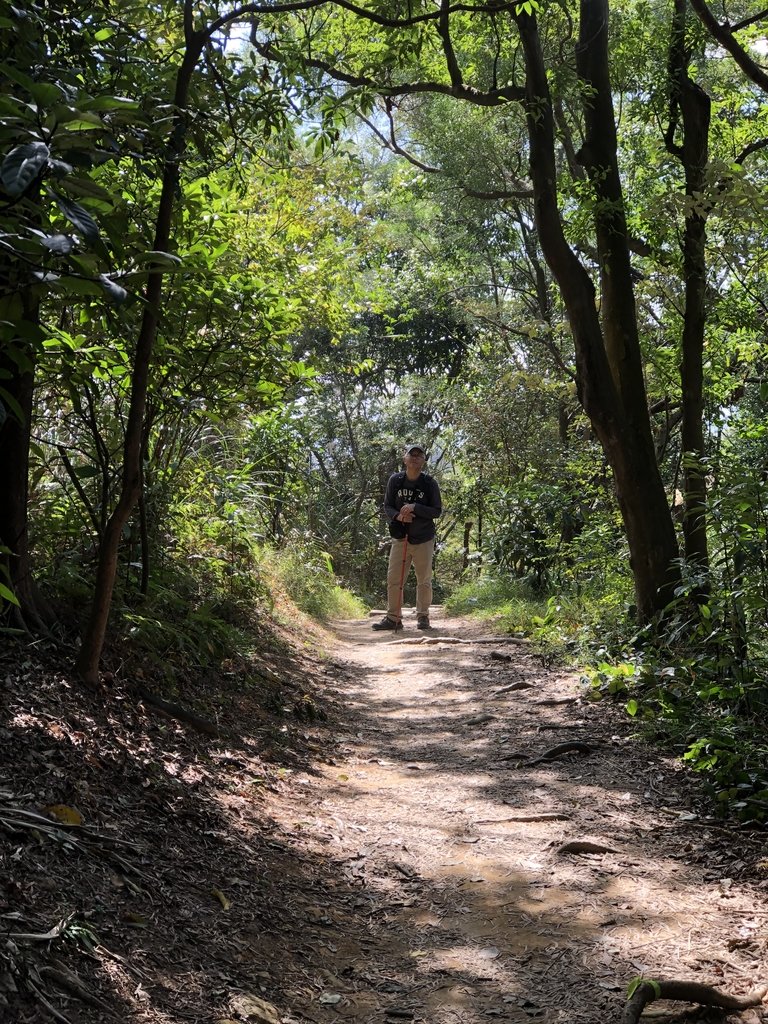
(465, 548)
(608, 361)
(17, 373)
(95, 632)
(695, 107)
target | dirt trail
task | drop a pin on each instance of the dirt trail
(446, 907)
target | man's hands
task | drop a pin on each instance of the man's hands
(407, 513)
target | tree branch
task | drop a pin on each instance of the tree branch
(487, 98)
(753, 147)
(394, 146)
(361, 12)
(740, 25)
(724, 35)
(444, 31)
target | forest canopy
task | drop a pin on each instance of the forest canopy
(250, 250)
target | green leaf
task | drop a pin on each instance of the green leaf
(8, 595)
(22, 165)
(76, 119)
(161, 259)
(45, 93)
(632, 707)
(83, 124)
(59, 168)
(80, 218)
(12, 404)
(110, 103)
(115, 291)
(9, 71)
(82, 186)
(634, 985)
(61, 245)
(80, 286)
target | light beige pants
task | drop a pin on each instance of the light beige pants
(420, 557)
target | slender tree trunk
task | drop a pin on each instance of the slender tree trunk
(608, 363)
(95, 632)
(465, 549)
(695, 107)
(17, 373)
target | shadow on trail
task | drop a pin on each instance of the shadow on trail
(375, 889)
(508, 924)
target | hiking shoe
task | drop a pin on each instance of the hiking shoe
(423, 622)
(387, 623)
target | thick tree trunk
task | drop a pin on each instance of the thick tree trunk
(95, 632)
(608, 363)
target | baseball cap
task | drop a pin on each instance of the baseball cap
(413, 447)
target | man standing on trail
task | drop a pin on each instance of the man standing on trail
(411, 504)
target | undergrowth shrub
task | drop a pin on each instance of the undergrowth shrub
(575, 624)
(692, 684)
(306, 573)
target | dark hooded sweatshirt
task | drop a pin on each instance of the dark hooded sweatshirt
(424, 493)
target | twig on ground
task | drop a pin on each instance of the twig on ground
(54, 932)
(65, 979)
(51, 1009)
(82, 839)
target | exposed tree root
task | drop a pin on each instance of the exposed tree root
(570, 746)
(521, 684)
(63, 978)
(689, 992)
(480, 719)
(181, 714)
(585, 846)
(544, 816)
(422, 640)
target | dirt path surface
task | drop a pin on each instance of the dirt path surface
(376, 837)
(454, 895)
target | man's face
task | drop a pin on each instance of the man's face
(414, 459)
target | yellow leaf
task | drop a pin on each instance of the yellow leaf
(64, 814)
(135, 920)
(221, 898)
